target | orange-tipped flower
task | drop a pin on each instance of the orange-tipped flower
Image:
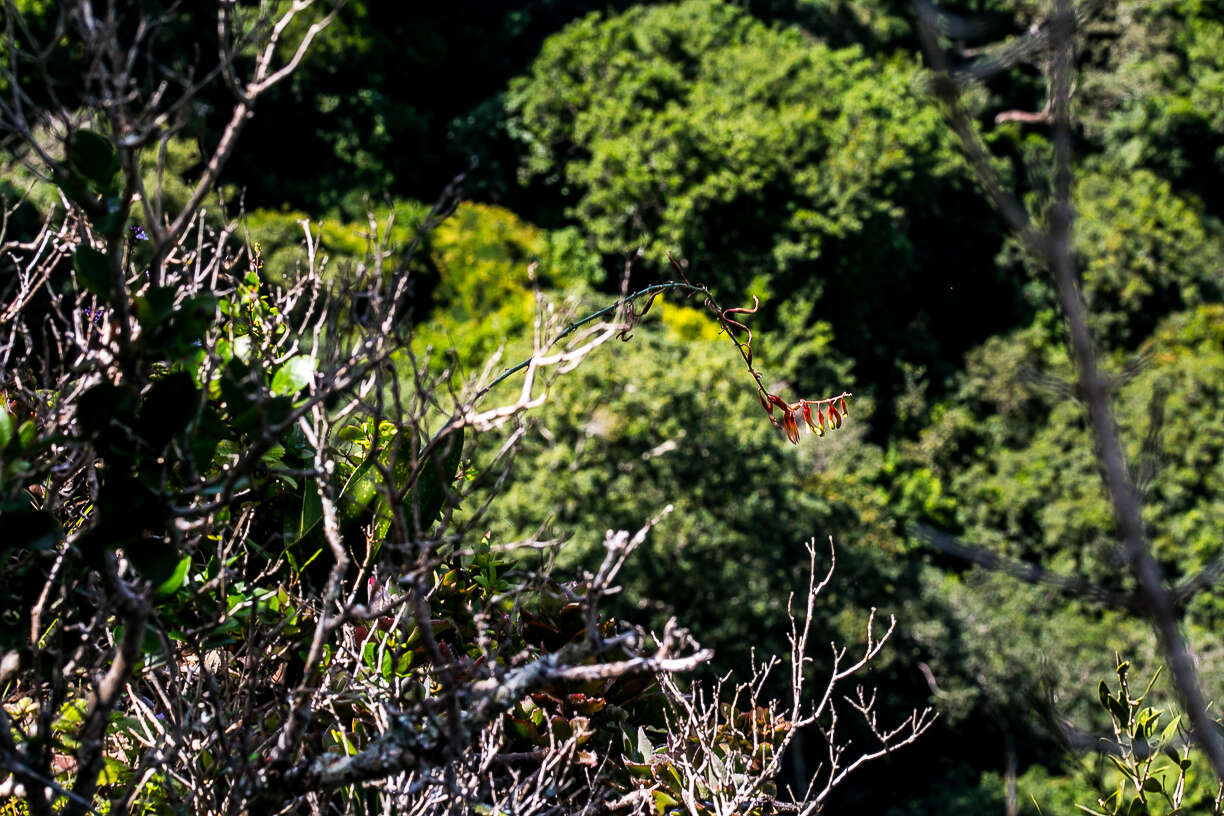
(791, 426)
(836, 406)
(807, 417)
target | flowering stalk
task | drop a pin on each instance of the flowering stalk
(836, 407)
(833, 407)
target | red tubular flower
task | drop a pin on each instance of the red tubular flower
(791, 426)
(836, 406)
(807, 417)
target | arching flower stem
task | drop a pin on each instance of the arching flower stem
(835, 407)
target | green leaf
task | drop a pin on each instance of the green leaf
(1170, 730)
(1125, 771)
(436, 475)
(1119, 710)
(293, 376)
(172, 584)
(360, 488)
(312, 509)
(1153, 785)
(6, 427)
(114, 772)
(663, 801)
(26, 432)
(386, 665)
(93, 271)
(641, 770)
(644, 748)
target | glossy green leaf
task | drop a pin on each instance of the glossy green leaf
(312, 509)
(26, 432)
(436, 476)
(360, 488)
(663, 800)
(293, 376)
(172, 584)
(6, 427)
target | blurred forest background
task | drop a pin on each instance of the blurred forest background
(787, 149)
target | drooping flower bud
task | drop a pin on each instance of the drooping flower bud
(791, 426)
(766, 404)
(807, 415)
